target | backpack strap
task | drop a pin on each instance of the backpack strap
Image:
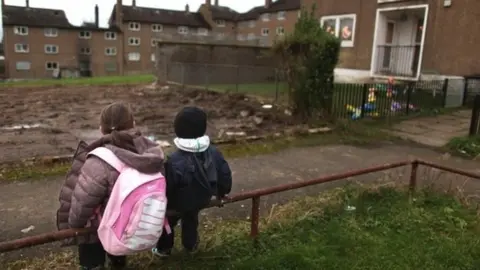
(109, 157)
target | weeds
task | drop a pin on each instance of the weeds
(380, 229)
(465, 146)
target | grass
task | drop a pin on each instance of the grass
(382, 228)
(465, 146)
(354, 133)
(108, 80)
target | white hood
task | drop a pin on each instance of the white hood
(193, 145)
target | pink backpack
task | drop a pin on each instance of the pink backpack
(134, 217)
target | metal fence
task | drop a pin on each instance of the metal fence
(254, 195)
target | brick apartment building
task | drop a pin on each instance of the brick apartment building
(40, 42)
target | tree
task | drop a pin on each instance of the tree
(308, 56)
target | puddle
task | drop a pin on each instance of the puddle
(25, 126)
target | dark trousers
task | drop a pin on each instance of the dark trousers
(93, 255)
(189, 223)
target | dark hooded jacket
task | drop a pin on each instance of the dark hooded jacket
(90, 181)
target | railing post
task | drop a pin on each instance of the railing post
(465, 91)
(183, 76)
(445, 92)
(413, 176)
(255, 217)
(474, 119)
(207, 77)
(364, 100)
(237, 79)
(409, 97)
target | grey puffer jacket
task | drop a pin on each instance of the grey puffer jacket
(90, 181)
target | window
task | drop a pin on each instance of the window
(240, 37)
(23, 65)
(265, 31)
(251, 36)
(21, 48)
(111, 66)
(280, 31)
(50, 32)
(157, 28)
(281, 15)
(110, 35)
(51, 65)
(299, 14)
(183, 30)
(154, 42)
(111, 51)
(342, 26)
(134, 56)
(220, 23)
(202, 32)
(85, 51)
(220, 36)
(20, 30)
(85, 34)
(251, 24)
(134, 26)
(265, 17)
(152, 57)
(134, 41)
(51, 49)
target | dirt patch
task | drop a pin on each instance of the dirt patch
(51, 120)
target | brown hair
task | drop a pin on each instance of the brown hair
(115, 120)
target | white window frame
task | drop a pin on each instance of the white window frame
(110, 35)
(240, 37)
(51, 46)
(133, 59)
(220, 23)
(22, 48)
(134, 26)
(265, 17)
(133, 41)
(86, 51)
(251, 36)
(265, 32)
(85, 34)
(17, 30)
(157, 28)
(111, 51)
(152, 57)
(182, 30)
(22, 69)
(202, 32)
(50, 32)
(281, 15)
(337, 18)
(51, 68)
(251, 24)
(154, 42)
(280, 31)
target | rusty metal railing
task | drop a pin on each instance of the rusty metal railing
(254, 195)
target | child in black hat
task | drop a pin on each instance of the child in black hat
(195, 172)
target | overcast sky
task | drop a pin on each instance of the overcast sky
(83, 9)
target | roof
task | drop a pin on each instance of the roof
(161, 16)
(42, 17)
(27, 16)
(223, 13)
(276, 6)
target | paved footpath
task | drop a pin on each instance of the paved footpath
(34, 203)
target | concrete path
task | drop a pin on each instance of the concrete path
(34, 203)
(435, 131)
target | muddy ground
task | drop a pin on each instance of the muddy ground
(51, 120)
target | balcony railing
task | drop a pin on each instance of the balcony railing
(397, 60)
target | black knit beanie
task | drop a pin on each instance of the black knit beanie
(190, 123)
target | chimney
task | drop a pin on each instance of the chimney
(187, 8)
(216, 3)
(27, 3)
(268, 3)
(208, 3)
(96, 16)
(134, 3)
(118, 14)
(3, 3)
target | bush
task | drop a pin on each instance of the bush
(309, 56)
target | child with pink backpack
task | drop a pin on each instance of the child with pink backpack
(116, 184)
